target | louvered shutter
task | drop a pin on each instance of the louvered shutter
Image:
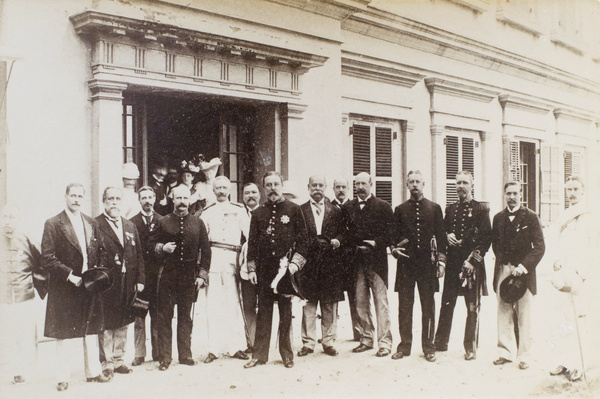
(452, 167)
(361, 149)
(383, 190)
(383, 152)
(550, 183)
(468, 155)
(568, 161)
(515, 157)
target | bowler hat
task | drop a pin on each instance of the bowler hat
(97, 280)
(513, 288)
(289, 285)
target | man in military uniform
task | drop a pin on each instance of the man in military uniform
(145, 222)
(226, 223)
(419, 244)
(469, 232)
(277, 228)
(182, 244)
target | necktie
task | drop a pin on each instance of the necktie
(147, 219)
(362, 204)
(114, 221)
(318, 208)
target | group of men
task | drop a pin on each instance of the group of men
(244, 254)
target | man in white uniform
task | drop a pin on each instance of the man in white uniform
(225, 222)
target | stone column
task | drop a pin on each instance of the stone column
(438, 167)
(107, 137)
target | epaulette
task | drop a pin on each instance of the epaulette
(484, 205)
(211, 205)
(237, 204)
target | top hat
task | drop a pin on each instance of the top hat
(97, 280)
(513, 288)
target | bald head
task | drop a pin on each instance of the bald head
(340, 188)
(181, 199)
(363, 185)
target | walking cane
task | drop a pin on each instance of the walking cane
(579, 339)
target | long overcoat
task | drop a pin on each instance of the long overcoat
(69, 308)
(127, 265)
(323, 272)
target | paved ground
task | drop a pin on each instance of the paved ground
(348, 375)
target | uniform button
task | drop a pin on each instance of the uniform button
(273, 253)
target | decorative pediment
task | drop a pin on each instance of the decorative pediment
(149, 53)
(379, 71)
(524, 103)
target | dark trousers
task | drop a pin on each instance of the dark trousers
(406, 300)
(452, 288)
(175, 291)
(264, 322)
(249, 304)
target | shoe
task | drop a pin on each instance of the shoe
(398, 355)
(574, 375)
(248, 350)
(137, 361)
(189, 361)
(382, 352)
(441, 347)
(108, 373)
(523, 365)
(99, 378)
(500, 361)
(164, 365)
(331, 351)
(122, 369)
(430, 357)
(241, 355)
(210, 358)
(470, 355)
(62, 386)
(18, 379)
(305, 351)
(288, 363)
(560, 370)
(361, 348)
(253, 363)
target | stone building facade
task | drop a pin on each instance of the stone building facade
(508, 89)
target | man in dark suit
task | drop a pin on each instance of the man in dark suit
(469, 232)
(121, 242)
(419, 244)
(181, 242)
(145, 222)
(340, 191)
(251, 198)
(70, 246)
(322, 271)
(518, 243)
(277, 229)
(369, 225)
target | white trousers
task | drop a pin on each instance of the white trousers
(226, 334)
(112, 347)
(18, 337)
(66, 349)
(508, 347)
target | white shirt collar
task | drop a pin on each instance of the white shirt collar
(516, 208)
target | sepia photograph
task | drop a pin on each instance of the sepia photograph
(299, 199)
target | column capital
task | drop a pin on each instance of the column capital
(106, 90)
(408, 126)
(295, 110)
(437, 130)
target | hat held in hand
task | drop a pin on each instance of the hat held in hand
(513, 288)
(97, 280)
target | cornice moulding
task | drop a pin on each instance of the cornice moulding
(97, 24)
(336, 9)
(524, 103)
(568, 42)
(436, 85)
(575, 115)
(380, 73)
(515, 19)
(479, 6)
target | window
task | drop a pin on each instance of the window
(550, 183)
(460, 155)
(232, 158)
(129, 142)
(523, 169)
(372, 153)
(572, 166)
